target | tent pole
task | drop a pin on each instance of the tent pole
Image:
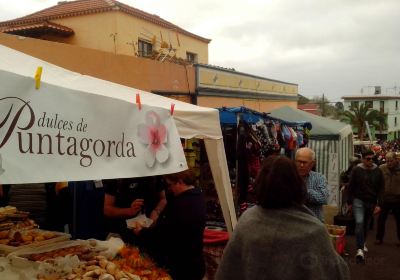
(219, 169)
(237, 165)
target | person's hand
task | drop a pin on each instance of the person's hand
(136, 206)
(137, 228)
(377, 210)
(154, 215)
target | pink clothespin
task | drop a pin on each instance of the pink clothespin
(172, 108)
(138, 101)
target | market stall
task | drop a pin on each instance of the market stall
(78, 105)
(57, 125)
(332, 142)
(250, 137)
(27, 252)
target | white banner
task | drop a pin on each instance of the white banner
(58, 134)
(333, 179)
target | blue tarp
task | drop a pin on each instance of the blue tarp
(228, 116)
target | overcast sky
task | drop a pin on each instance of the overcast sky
(335, 47)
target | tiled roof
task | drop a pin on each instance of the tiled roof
(81, 7)
(307, 106)
(45, 25)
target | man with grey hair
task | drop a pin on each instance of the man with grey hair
(317, 187)
(390, 197)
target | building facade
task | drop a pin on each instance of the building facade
(111, 26)
(222, 87)
(384, 103)
(115, 42)
(176, 80)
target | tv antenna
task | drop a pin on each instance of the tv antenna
(114, 36)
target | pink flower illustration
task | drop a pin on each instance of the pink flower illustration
(153, 134)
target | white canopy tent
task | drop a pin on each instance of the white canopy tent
(191, 121)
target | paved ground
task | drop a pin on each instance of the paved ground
(382, 262)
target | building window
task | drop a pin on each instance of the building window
(354, 104)
(369, 104)
(395, 121)
(382, 106)
(191, 57)
(397, 105)
(145, 48)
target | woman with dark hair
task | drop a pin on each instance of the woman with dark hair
(278, 185)
(280, 238)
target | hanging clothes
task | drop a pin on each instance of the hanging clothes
(242, 163)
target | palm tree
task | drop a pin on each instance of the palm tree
(357, 115)
(381, 122)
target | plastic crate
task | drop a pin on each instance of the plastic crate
(337, 235)
(214, 245)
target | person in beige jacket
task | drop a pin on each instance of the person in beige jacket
(391, 196)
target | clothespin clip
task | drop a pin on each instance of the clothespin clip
(38, 77)
(172, 108)
(138, 101)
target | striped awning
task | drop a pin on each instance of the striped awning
(343, 148)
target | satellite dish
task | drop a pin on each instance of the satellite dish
(339, 106)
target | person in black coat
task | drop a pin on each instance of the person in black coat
(176, 242)
(126, 198)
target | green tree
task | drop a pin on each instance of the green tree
(325, 108)
(358, 114)
(303, 99)
(381, 122)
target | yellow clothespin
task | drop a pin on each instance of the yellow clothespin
(38, 77)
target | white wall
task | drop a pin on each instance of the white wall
(389, 108)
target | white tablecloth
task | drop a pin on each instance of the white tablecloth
(11, 273)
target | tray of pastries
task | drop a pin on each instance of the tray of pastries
(83, 249)
(12, 218)
(86, 259)
(14, 239)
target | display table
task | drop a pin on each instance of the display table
(81, 259)
(11, 273)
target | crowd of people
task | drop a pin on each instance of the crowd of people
(287, 223)
(372, 187)
(282, 237)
